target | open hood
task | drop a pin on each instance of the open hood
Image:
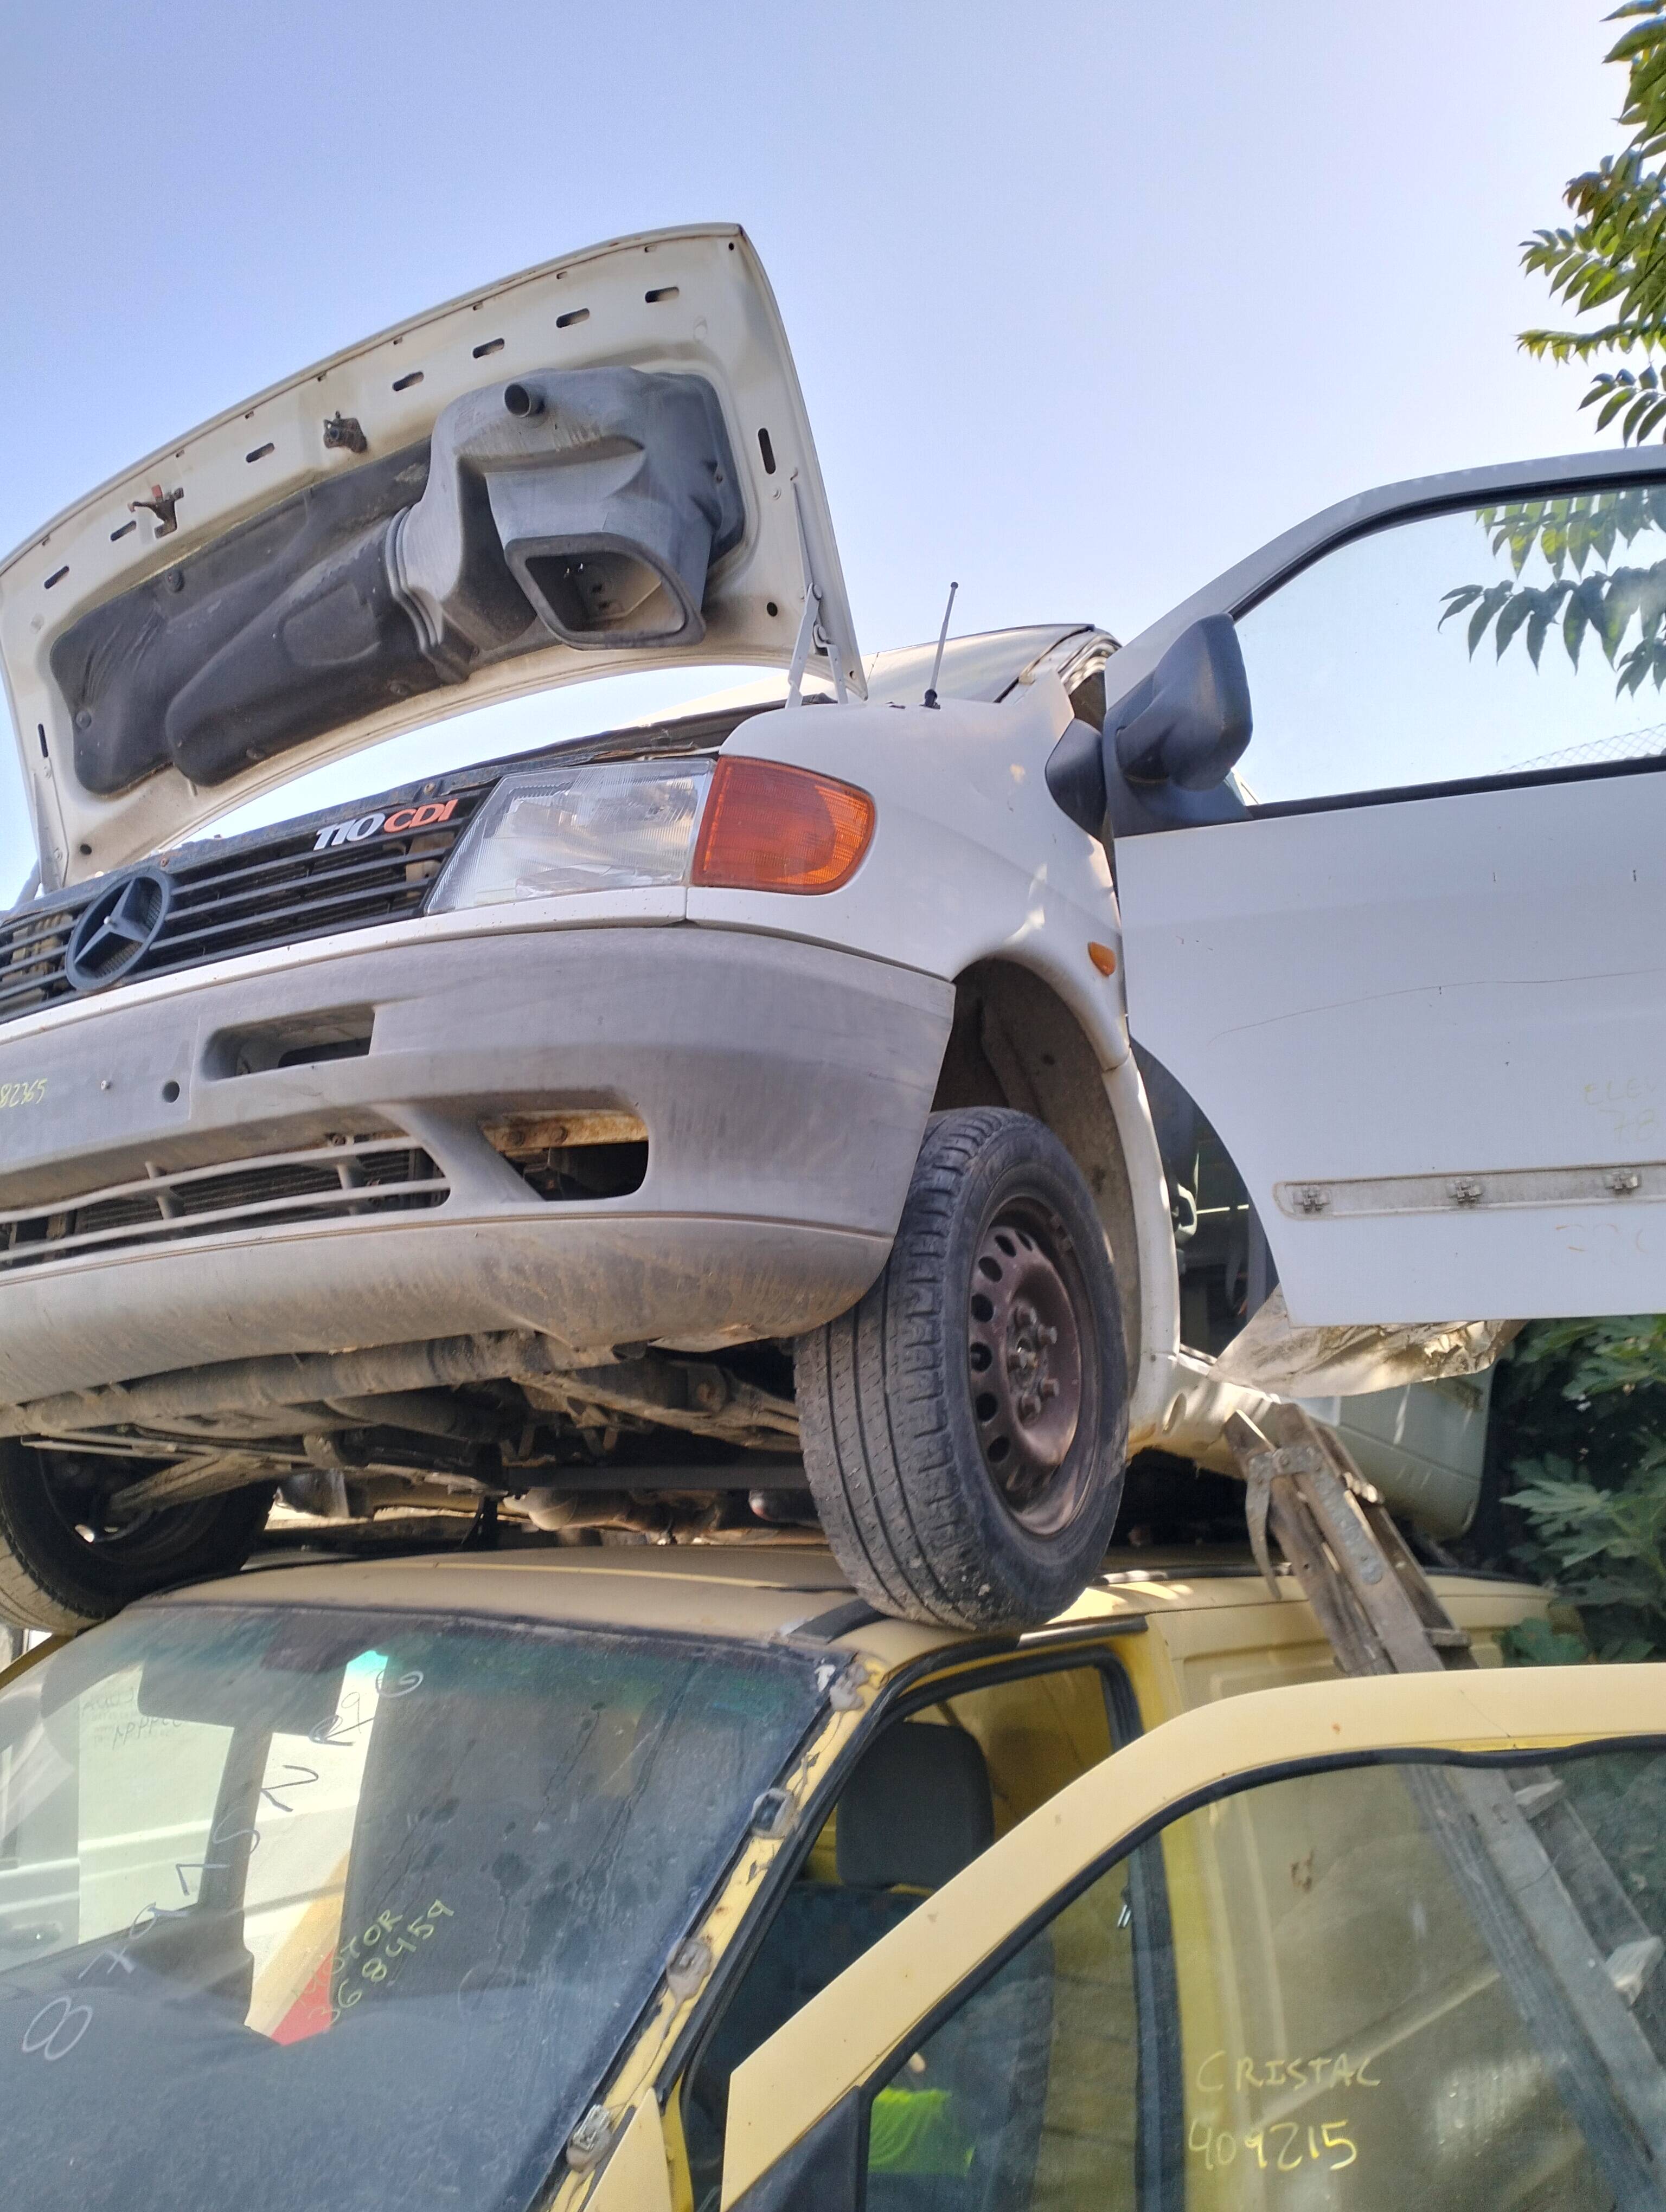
(600, 465)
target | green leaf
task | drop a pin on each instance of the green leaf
(1457, 601)
(1633, 671)
(1511, 617)
(1535, 1642)
(1488, 604)
(1621, 590)
(1574, 622)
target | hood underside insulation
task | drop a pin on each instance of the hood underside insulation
(584, 506)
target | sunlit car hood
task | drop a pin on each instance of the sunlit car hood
(599, 465)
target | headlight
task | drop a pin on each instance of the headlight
(598, 826)
(632, 825)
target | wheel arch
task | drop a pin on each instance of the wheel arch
(1016, 1041)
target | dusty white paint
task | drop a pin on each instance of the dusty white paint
(1463, 992)
(720, 322)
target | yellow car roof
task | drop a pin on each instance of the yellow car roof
(752, 1592)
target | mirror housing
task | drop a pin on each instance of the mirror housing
(1075, 775)
(1168, 746)
(1189, 723)
(1171, 741)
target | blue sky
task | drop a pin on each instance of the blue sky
(1086, 300)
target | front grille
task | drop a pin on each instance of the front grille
(326, 1183)
(249, 895)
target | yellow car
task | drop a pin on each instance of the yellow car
(674, 1879)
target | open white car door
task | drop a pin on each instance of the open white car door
(1411, 960)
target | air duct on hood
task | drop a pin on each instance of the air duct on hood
(580, 507)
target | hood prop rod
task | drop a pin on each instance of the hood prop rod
(811, 631)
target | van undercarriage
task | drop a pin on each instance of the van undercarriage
(650, 1442)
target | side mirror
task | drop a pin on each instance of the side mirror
(1075, 775)
(1189, 723)
(1167, 747)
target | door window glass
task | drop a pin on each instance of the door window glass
(1477, 643)
(926, 1795)
(1029, 2095)
(1370, 1986)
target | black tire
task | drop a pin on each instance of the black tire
(54, 1575)
(949, 1480)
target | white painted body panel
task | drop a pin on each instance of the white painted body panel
(694, 301)
(971, 860)
(1424, 1447)
(970, 856)
(1462, 988)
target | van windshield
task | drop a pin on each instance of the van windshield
(532, 723)
(308, 1907)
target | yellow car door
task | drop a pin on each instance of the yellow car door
(1372, 1943)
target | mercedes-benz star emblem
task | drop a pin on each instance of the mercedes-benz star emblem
(115, 931)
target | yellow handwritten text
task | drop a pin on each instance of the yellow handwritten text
(365, 1958)
(1325, 2071)
(1278, 2146)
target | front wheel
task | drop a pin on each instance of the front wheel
(64, 1564)
(965, 1425)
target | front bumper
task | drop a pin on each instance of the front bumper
(784, 1087)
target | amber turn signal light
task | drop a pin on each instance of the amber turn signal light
(769, 827)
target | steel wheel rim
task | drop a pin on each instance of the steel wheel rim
(1030, 1358)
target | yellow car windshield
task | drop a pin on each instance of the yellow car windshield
(318, 1907)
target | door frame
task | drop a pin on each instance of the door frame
(797, 2081)
(951, 1671)
(1243, 586)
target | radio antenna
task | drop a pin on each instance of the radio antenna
(937, 665)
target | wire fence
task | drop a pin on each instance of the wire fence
(1635, 745)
